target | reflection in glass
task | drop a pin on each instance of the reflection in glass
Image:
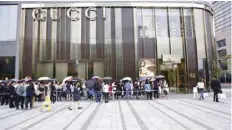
(162, 32)
(199, 29)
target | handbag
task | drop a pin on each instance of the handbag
(222, 96)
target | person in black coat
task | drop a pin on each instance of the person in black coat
(30, 92)
(52, 92)
(216, 86)
(5, 93)
(76, 97)
(12, 95)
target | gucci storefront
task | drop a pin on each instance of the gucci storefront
(133, 39)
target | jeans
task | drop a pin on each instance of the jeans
(127, 94)
(98, 96)
(201, 93)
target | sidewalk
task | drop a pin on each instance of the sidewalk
(161, 114)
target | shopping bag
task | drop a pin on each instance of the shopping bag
(205, 94)
(222, 96)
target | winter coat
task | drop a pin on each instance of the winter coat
(30, 90)
(215, 84)
(20, 90)
(76, 94)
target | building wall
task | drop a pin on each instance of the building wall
(117, 43)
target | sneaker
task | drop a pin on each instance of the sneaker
(69, 108)
(79, 108)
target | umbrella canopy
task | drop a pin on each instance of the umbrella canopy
(127, 78)
(107, 78)
(69, 78)
(89, 83)
(144, 78)
(14, 80)
(96, 77)
(44, 78)
(159, 77)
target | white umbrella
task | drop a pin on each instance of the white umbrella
(159, 76)
(96, 77)
(67, 79)
(44, 78)
(127, 78)
(107, 78)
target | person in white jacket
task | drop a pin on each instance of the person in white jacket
(195, 94)
(106, 92)
(201, 86)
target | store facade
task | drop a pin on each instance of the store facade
(123, 39)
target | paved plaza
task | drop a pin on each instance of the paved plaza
(161, 114)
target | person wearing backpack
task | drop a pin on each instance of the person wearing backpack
(20, 98)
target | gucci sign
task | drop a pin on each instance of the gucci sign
(40, 14)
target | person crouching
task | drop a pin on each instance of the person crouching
(46, 104)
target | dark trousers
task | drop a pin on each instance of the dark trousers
(28, 100)
(215, 95)
(19, 100)
(12, 101)
(106, 97)
(53, 98)
(97, 96)
(149, 95)
(156, 94)
(5, 100)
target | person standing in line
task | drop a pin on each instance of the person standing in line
(52, 92)
(5, 93)
(136, 89)
(19, 98)
(216, 86)
(156, 88)
(201, 86)
(12, 95)
(30, 91)
(127, 87)
(97, 89)
(148, 89)
(106, 92)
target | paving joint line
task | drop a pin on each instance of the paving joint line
(69, 124)
(194, 107)
(41, 120)
(121, 115)
(193, 120)
(139, 120)
(205, 107)
(90, 119)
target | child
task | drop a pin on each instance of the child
(46, 104)
(195, 92)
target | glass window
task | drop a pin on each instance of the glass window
(188, 23)
(161, 23)
(199, 31)
(147, 23)
(221, 43)
(175, 32)
(222, 53)
(8, 22)
(174, 22)
(162, 32)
